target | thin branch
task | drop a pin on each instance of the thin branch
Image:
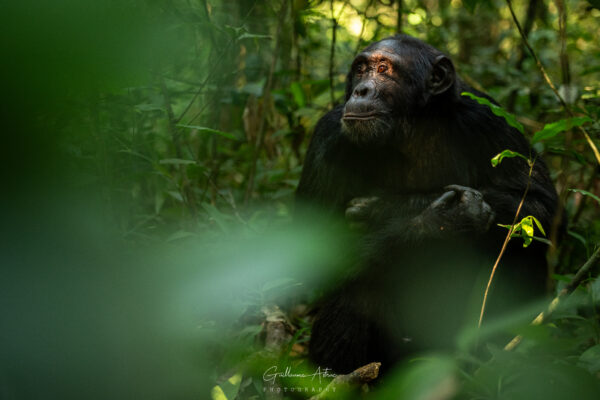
(529, 19)
(550, 83)
(562, 33)
(563, 178)
(332, 54)
(577, 279)
(505, 244)
(266, 100)
(334, 22)
(399, 16)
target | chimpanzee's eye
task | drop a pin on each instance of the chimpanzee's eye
(361, 68)
(382, 68)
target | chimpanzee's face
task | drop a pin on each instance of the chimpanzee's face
(387, 82)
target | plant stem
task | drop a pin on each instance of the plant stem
(506, 240)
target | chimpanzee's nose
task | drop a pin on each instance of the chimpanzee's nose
(364, 89)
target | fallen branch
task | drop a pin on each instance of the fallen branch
(350, 381)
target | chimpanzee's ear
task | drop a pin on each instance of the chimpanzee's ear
(442, 75)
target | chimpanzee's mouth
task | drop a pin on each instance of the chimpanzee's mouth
(360, 116)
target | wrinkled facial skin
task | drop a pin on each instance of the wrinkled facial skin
(385, 86)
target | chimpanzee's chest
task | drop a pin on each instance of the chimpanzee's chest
(398, 175)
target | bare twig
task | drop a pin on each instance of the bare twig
(506, 240)
(529, 19)
(550, 83)
(577, 279)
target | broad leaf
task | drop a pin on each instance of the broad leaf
(538, 224)
(298, 94)
(586, 193)
(551, 130)
(527, 229)
(524, 229)
(510, 119)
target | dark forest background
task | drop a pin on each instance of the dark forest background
(151, 150)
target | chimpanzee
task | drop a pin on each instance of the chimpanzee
(407, 158)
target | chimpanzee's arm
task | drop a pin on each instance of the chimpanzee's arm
(411, 218)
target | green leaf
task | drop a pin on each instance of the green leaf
(538, 224)
(590, 359)
(542, 240)
(209, 130)
(179, 235)
(176, 195)
(561, 278)
(593, 69)
(470, 5)
(578, 237)
(497, 159)
(176, 161)
(423, 378)
(551, 130)
(149, 107)
(524, 229)
(586, 193)
(222, 220)
(510, 119)
(298, 94)
(527, 226)
(248, 35)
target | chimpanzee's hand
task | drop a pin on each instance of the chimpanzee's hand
(460, 209)
(359, 212)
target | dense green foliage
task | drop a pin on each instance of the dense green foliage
(151, 155)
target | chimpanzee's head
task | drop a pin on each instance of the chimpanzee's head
(391, 81)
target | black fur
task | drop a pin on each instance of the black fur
(426, 244)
